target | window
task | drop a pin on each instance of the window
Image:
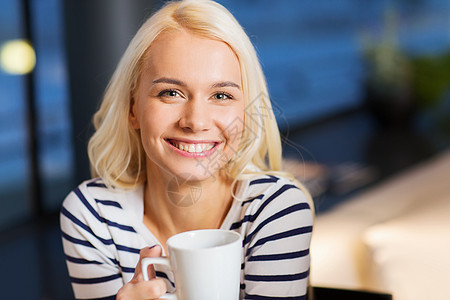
(48, 91)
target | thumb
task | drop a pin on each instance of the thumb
(154, 251)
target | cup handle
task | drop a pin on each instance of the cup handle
(156, 261)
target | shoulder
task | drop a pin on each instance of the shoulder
(267, 195)
(271, 187)
(93, 198)
(273, 209)
(97, 210)
(88, 193)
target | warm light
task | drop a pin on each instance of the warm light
(17, 57)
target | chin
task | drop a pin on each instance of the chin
(199, 173)
(196, 176)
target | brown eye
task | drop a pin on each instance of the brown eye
(169, 93)
(222, 96)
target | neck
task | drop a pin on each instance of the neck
(171, 207)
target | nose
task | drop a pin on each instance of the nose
(196, 116)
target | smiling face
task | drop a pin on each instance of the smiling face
(188, 106)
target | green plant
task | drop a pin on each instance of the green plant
(431, 79)
(389, 69)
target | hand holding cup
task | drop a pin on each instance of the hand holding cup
(206, 264)
(138, 288)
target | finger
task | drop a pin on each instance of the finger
(152, 289)
(154, 251)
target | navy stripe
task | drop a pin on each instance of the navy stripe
(88, 244)
(277, 278)
(66, 213)
(284, 188)
(109, 203)
(82, 261)
(97, 216)
(281, 256)
(87, 205)
(164, 275)
(251, 199)
(85, 261)
(96, 184)
(95, 279)
(264, 180)
(127, 249)
(127, 270)
(83, 243)
(259, 297)
(251, 218)
(120, 226)
(104, 298)
(280, 214)
(76, 241)
(236, 225)
(281, 235)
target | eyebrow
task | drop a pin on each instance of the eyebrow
(181, 83)
(169, 80)
(226, 84)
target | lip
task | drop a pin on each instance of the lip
(194, 142)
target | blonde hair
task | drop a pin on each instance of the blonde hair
(115, 149)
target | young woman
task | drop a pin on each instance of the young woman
(185, 139)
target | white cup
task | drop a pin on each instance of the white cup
(206, 264)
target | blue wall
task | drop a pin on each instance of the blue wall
(311, 51)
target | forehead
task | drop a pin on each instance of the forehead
(181, 53)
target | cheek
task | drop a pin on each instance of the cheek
(233, 124)
(154, 122)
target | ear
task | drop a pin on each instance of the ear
(132, 115)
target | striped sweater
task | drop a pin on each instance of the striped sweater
(103, 232)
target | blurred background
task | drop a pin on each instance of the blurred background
(360, 90)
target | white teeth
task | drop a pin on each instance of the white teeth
(194, 148)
